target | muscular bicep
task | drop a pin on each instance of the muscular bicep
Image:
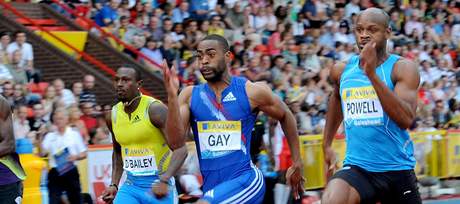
(158, 113)
(262, 98)
(407, 83)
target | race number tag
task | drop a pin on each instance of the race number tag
(139, 161)
(362, 106)
(219, 135)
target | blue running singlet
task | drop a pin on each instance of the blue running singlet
(222, 132)
(374, 141)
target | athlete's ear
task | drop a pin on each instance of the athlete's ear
(228, 55)
(139, 83)
(388, 32)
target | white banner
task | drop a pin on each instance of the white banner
(99, 171)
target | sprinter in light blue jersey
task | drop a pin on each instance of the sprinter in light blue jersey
(222, 113)
(376, 97)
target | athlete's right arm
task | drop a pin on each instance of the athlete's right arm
(7, 142)
(117, 164)
(334, 117)
(178, 106)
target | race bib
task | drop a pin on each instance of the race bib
(219, 135)
(139, 161)
(362, 106)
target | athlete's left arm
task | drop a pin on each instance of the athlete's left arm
(261, 97)
(400, 104)
(158, 113)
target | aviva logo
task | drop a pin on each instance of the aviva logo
(366, 92)
(136, 119)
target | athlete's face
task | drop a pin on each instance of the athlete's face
(126, 85)
(369, 28)
(212, 60)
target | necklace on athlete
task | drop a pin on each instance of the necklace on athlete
(132, 100)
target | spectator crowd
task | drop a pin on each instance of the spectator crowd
(292, 45)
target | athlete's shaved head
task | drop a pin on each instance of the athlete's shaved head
(372, 25)
(375, 15)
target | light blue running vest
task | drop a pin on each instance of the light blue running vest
(374, 141)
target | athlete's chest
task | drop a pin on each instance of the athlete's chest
(360, 102)
(232, 105)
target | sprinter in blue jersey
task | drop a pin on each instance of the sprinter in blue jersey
(376, 97)
(222, 113)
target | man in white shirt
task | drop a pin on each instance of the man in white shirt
(26, 49)
(63, 146)
(65, 95)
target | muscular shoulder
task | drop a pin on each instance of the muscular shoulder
(185, 95)
(336, 72)
(258, 93)
(158, 113)
(405, 69)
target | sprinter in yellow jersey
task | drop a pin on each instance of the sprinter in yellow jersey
(141, 146)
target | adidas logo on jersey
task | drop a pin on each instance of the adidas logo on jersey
(136, 119)
(210, 193)
(229, 97)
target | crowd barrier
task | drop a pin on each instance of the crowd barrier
(437, 154)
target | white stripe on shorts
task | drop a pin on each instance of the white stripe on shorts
(255, 184)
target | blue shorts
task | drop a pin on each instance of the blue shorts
(139, 194)
(246, 188)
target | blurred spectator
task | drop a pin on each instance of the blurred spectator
(77, 89)
(191, 35)
(153, 52)
(64, 147)
(19, 95)
(178, 34)
(16, 69)
(441, 114)
(77, 124)
(65, 96)
(352, 8)
(5, 40)
(88, 116)
(5, 74)
(87, 94)
(308, 60)
(126, 30)
(39, 120)
(181, 12)
(154, 29)
(108, 13)
(26, 50)
(21, 124)
(217, 26)
(8, 92)
(102, 134)
(123, 9)
(49, 101)
(199, 9)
